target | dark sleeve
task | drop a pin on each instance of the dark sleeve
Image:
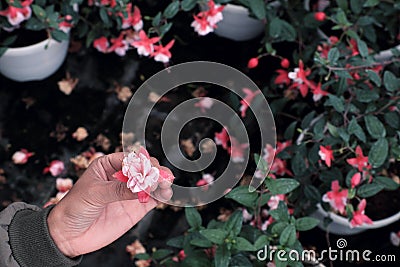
(28, 239)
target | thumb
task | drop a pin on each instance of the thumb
(112, 191)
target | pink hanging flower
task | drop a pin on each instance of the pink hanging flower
(282, 77)
(214, 12)
(326, 154)
(237, 150)
(246, 215)
(205, 181)
(145, 45)
(205, 103)
(249, 96)
(119, 45)
(162, 53)
(269, 154)
(337, 198)
(299, 77)
(55, 168)
(318, 93)
(21, 157)
(201, 25)
(359, 218)
(133, 19)
(355, 180)
(273, 202)
(222, 138)
(101, 44)
(65, 26)
(16, 15)
(64, 184)
(360, 161)
(395, 238)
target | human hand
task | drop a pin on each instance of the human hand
(98, 209)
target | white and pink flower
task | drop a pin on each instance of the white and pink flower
(145, 45)
(359, 217)
(249, 96)
(222, 138)
(133, 19)
(326, 154)
(337, 197)
(101, 44)
(162, 53)
(205, 181)
(16, 15)
(64, 184)
(21, 157)
(205, 103)
(55, 168)
(119, 45)
(273, 202)
(237, 150)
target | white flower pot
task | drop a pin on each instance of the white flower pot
(341, 226)
(237, 25)
(34, 62)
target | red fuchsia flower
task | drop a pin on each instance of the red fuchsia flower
(282, 77)
(250, 95)
(253, 62)
(360, 161)
(16, 15)
(64, 184)
(326, 154)
(359, 218)
(273, 202)
(299, 77)
(162, 53)
(278, 167)
(55, 168)
(280, 146)
(237, 150)
(222, 138)
(133, 19)
(145, 45)
(201, 25)
(267, 223)
(337, 198)
(246, 215)
(101, 44)
(205, 103)
(269, 154)
(214, 13)
(21, 157)
(317, 92)
(395, 238)
(285, 63)
(119, 45)
(65, 25)
(355, 180)
(205, 181)
(320, 16)
(354, 47)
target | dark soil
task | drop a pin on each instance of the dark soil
(25, 37)
(383, 205)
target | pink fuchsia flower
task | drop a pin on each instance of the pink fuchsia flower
(237, 150)
(273, 202)
(205, 103)
(119, 45)
(269, 154)
(253, 62)
(16, 15)
(21, 157)
(162, 53)
(337, 197)
(354, 47)
(222, 138)
(145, 45)
(395, 238)
(201, 25)
(64, 184)
(55, 168)
(320, 16)
(249, 96)
(101, 44)
(278, 167)
(299, 77)
(359, 218)
(318, 93)
(246, 215)
(360, 161)
(214, 13)
(65, 26)
(205, 181)
(326, 154)
(267, 223)
(355, 180)
(282, 77)
(133, 19)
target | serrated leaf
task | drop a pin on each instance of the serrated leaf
(288, 236)
(369, 190)
(378, 153)
(193, 217)
(386, 182)
(390, 81)
(374, 126)
(281, 185)
(216, 236)
(243, 244)
(171, 10)
(188, 5)
(306, 223)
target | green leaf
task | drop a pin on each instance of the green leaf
(355, 128)
(9, 40)
(3, 50)
(242, 195)
(333, 55)
(160, 254)
(356, 6)
(277, 228)
(240, 260)
(234, 224)
(156, 20)
(371, 3)
(362, 47)
(165, 28)
(288, 236)
(336, 102)
(374, 77)
(311, 192)
(59, 35)
(34, 24)
(290, 130)
(261, 242)
(104, 17)
(142, 256)
(374, 126)
(176, 242)
(392, 118)
(343, 4)
(201, 242)
(257, 7)
(390, 81)
(298, 164)
(281, 213)
(222, 256)
(243, 244)
(280, 30)
(386, 182)
(188, 5)
(193, 217)
(216, 236)
(39, 11)
(378, 153)
(367, 96)
(306, 223)
(281, 185)
(171, 10)
(369, 190)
